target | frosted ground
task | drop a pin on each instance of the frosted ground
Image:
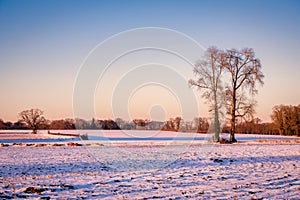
(267, 168)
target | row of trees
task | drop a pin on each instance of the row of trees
(33, 119)
(255, 126)
(227, 80)
(10, 125)
(199, 125)
(285, 121)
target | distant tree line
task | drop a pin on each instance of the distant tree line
(13, 125)
(255, 126)
(285, 121)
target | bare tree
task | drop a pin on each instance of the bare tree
(244, 72)
(287, 119)
(33, 118)
(120, 122)
(201, 124)
(141, 122)
(173, 124)
(208, 72)
(1, 124)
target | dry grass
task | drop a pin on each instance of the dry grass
(278, 141)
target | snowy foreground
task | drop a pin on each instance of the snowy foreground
(146, 171)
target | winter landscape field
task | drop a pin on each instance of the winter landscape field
(53, 167)
(102, 99)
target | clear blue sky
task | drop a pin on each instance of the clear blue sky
(43, 43)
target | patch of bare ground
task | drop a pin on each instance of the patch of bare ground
(73, 144)
(277, 141)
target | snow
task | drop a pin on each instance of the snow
(153, 169)
(15, 136)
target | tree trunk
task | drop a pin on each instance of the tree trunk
(216, 125)
(34, 130)
(232, 130)
(216, 110)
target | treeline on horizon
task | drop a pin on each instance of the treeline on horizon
(285, 121)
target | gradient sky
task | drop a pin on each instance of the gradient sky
(43, 43)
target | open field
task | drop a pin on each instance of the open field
(198, 171)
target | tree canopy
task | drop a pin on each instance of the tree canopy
(33, 118)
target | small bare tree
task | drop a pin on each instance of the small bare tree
(173, 124)
(208, 72)
(33, 118)
(244, 72)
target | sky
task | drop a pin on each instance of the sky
(44, 44)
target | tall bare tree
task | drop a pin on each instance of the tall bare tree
(244, 74)
(208, 72)
(33, 118)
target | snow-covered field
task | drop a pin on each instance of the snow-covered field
(149, 170)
